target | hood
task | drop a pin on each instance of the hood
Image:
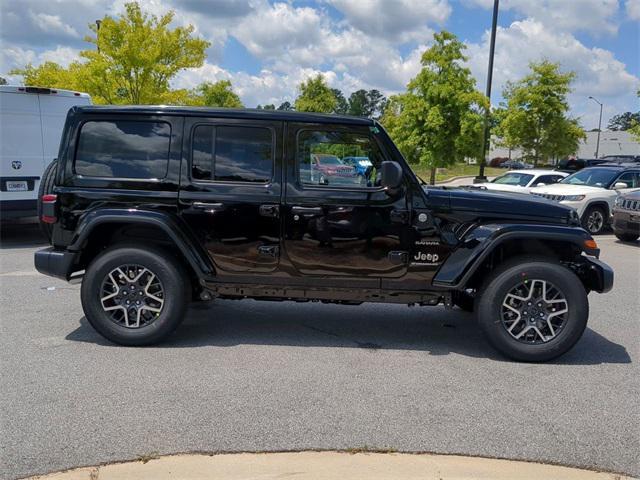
(566, 189)
(499, 205)
(502, 187)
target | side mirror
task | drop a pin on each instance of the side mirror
(619, 186)
(390, 175)
(541, 184)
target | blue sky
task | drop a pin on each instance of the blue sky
(266, 48)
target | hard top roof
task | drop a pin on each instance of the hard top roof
(246, 113)
(41, 90)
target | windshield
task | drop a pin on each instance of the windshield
(521, 179)
(592, 177)
(329, 160)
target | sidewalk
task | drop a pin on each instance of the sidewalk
(328, 466)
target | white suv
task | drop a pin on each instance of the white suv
(521, 181)
(592, 192)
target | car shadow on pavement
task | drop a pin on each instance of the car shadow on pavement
(228, 323)
(21, 235)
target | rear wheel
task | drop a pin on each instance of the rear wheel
(135, 296)
(46, 186)
(532, 309)
(594, 220)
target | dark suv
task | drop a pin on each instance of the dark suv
(154, 207)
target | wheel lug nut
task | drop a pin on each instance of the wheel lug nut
(542, 314)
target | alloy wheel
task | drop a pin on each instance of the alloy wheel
(132, 296)
(534, 312)
(595, 221)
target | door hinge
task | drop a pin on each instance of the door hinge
(398, 257)
(399, 216)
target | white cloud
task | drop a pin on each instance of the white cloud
(598, 72)
(633, 9)
(394, 20)
(53, 23)
(592, 16)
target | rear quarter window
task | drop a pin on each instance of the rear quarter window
(123, 149)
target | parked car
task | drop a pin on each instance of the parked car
(622, 158)
(515, 165)
(593, 192)
(497, 161)
(32, 119)
(626, 216)
(362, 165)
(328, 169)
(152, 207)
(521, 181)
(570, 165)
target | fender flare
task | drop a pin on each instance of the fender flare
(181, 236)
(478, 244)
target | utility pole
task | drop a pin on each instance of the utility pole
(98, 22)
(599, 126)
(487, 130)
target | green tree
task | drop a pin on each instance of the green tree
(3, 81)
(315, 96)
(136, 56)
(367, 103)
(285, 106)
(215, 94)
(439, 120)
(269, 106)
(342, 107)
(536, 117)
(624, 121)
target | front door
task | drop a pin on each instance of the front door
(230, 192)
(338, 221)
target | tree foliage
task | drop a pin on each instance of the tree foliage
(285, 106)
(367, 103)
(624, 121)
(3, 81)
(536, 114)
(215, 94)
(342, 106)
(315, 96)
(440, 119)
(135, 57)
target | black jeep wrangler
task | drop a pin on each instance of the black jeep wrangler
(154, 207)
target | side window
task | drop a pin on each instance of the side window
(123, 149)
(232, 154)
(337, 159)
(546, 179)
(630, 178)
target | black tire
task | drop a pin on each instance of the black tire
(513, 273)
(464, 301)
(594, 229)
(46, 186)
(627, 237)
(175, 284)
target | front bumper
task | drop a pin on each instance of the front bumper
(598, 275)
(55, 263)
(626, 222)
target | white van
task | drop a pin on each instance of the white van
(31, 122)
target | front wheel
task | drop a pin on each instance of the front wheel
(134, 296)
(594, 220)
(533, 309)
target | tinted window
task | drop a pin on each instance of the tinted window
(630, 178)
(520, 179)
(123, 149)
(593, 177)
(232, 154)
(342, 159)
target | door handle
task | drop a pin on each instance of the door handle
(269, 211)
(208, 207)
(269, 250)
(306, 210)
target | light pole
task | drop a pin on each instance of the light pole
(599, 126)
(487, 130)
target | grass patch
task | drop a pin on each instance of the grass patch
(458, 170)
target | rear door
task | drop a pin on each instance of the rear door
(230, 192)
(20, 146)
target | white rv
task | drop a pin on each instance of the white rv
(31, 122)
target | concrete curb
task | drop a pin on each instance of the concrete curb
(327, 465)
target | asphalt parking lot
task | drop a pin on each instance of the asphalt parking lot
(251, 376)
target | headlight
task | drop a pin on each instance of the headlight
(573, 198)
(619, 201)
